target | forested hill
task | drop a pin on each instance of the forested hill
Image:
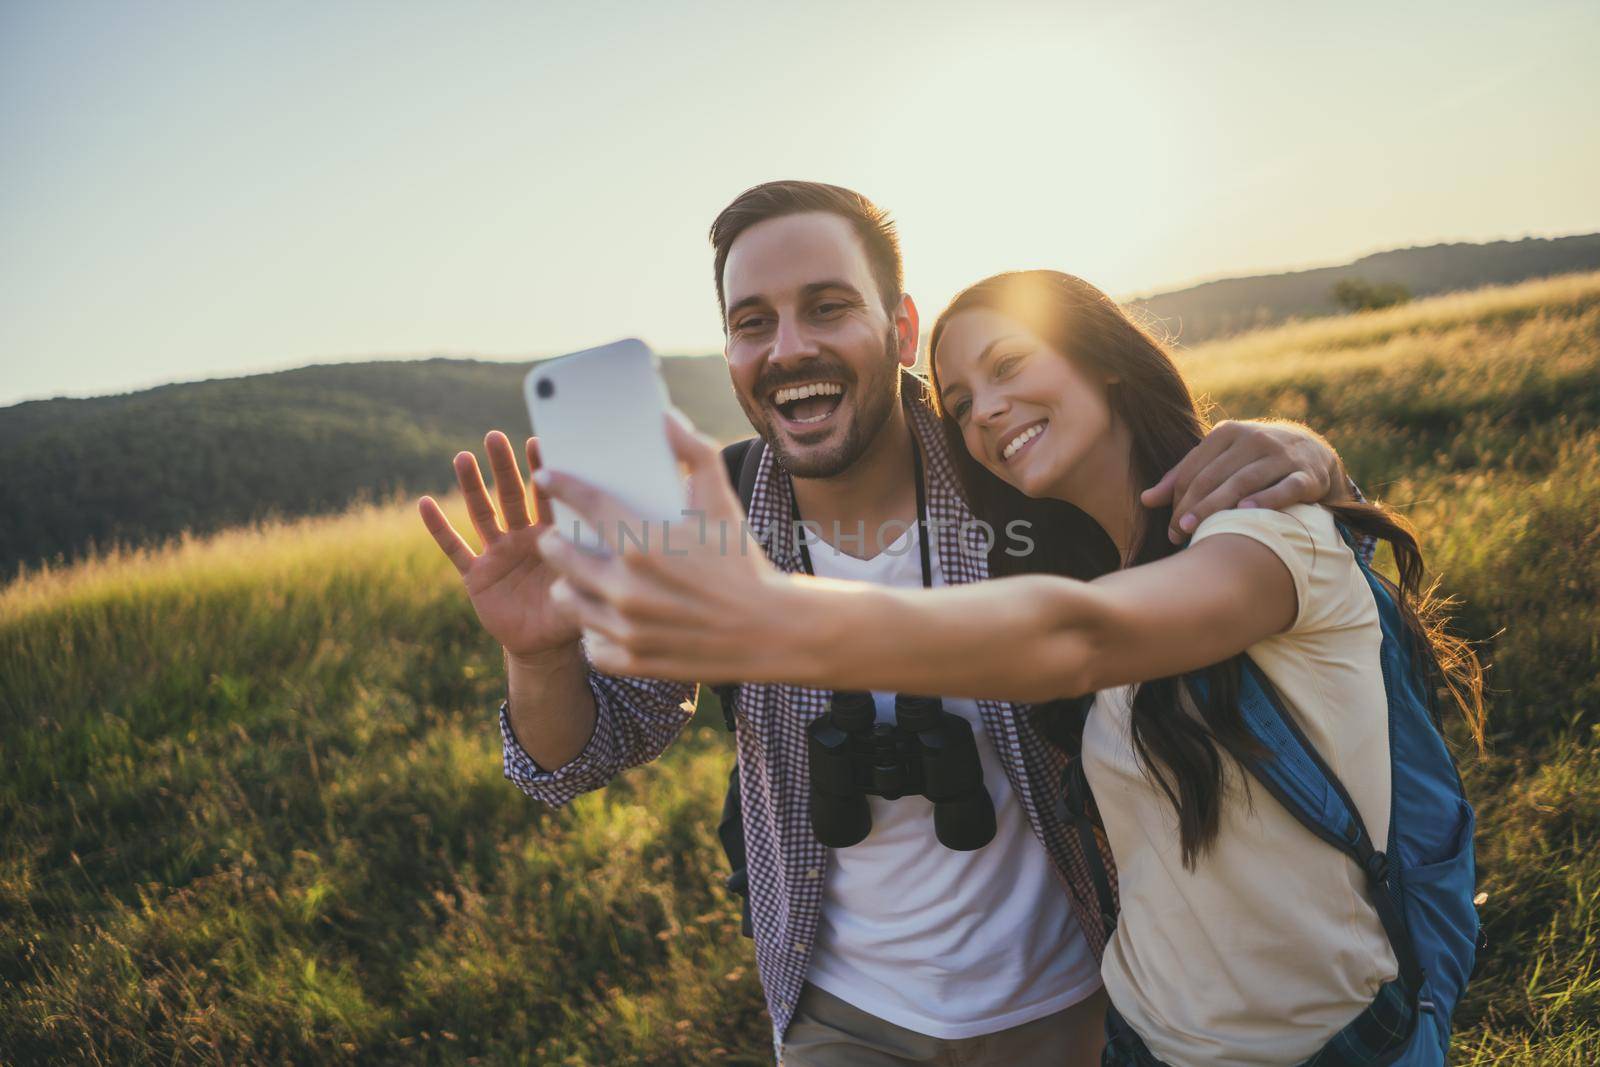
(204, 455)
(1233, 305)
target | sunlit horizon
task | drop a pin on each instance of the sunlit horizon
(196, 191)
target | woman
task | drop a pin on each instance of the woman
(1241, 937)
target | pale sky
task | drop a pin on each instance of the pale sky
(196, 190)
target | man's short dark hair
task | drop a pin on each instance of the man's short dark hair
(772, 200)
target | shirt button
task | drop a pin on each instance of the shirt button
(798, 947)
(812, 872)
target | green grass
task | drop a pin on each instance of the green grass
(254, 808)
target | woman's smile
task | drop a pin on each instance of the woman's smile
(1016, 443)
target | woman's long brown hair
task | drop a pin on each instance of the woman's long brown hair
(1179, 753)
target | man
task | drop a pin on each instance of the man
(896, 949)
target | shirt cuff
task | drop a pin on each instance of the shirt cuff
(589, 769)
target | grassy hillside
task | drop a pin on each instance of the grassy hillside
(255, 808)
(1231, 305)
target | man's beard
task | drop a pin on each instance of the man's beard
(873, 396)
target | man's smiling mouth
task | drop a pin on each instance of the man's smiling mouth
(808, 403)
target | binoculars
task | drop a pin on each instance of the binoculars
(926, 751)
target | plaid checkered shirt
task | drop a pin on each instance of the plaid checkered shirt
(636, 718)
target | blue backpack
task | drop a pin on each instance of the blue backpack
(1422, 886)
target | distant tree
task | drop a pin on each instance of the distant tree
(1358, 294)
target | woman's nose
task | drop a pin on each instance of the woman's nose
(989, 408)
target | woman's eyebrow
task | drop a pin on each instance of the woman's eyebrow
(983, 357)
(988, 349)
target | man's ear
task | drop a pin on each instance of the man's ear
(906, 325)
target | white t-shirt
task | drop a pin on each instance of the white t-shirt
(944, 943)
(1271, 944)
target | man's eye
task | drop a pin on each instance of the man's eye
(754, 322)
(831, 308)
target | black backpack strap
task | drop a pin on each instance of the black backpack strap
(730, 831)
(743, 462)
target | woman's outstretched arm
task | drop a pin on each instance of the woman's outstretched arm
(711, 612)
(1036, 637)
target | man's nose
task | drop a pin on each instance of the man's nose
(790, 342)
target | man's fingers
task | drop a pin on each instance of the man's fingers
(450, 542)
(1161, 492)
(1199, 457)
(543, 514)
(1230, 493)
(1205, 481)
(507, 480)
(479, 507)
(1298, 488)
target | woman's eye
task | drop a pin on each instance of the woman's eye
(1006, 365)
(960, 410)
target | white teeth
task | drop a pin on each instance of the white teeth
(792, 393)
(1021, 439)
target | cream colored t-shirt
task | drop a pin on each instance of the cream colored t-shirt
(1271, 944)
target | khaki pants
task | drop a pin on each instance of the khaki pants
(828, 1032)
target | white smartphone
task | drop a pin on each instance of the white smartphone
(600, 416)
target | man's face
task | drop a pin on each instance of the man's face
(814, 357)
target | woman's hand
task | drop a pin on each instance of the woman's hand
(698, 601)
(509, 582)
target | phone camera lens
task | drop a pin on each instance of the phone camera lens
(545, 388)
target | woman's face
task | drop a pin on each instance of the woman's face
(1026, 412)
